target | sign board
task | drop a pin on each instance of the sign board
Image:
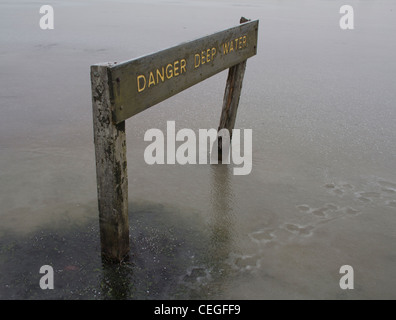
(122, 90)
(138, 84)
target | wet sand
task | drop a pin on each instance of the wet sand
(322, 192)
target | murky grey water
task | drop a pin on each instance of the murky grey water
(322, 192)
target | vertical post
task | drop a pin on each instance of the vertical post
(231, 98)
(111, 169)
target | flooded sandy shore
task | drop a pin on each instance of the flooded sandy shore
(321, 194)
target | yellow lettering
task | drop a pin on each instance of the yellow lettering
(244, 41)
(213, 52)
(141, 87)
(161, 75)
(196, 64)
(208, 55)
(151, 80)
(175, 69)
(231, 46)
(225, 47)
(240, 42)
(169, 72)
(202, 57)
(183, 65)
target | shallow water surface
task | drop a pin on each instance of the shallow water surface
(321, 194)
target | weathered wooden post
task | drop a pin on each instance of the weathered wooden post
(119, 91)
(231, 99)
(111, 169)
(231, 96)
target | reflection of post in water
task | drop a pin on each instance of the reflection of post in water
(116, 281)
(222, 230)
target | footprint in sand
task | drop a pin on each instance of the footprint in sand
(244, 263)
(384, 189)
(322, 212)
(382, 194)
(326, 213)
(367, 196)
(351, 211)
(334, 189)
(299, 230)
(339, 190)
(262, 236)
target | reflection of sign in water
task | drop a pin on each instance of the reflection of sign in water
(143, 82)
(122, 90)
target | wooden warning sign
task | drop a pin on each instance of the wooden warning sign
(143, 82)
(121, 90)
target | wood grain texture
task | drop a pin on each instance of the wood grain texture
(111, 170)
(124, 77)
(231, 96)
